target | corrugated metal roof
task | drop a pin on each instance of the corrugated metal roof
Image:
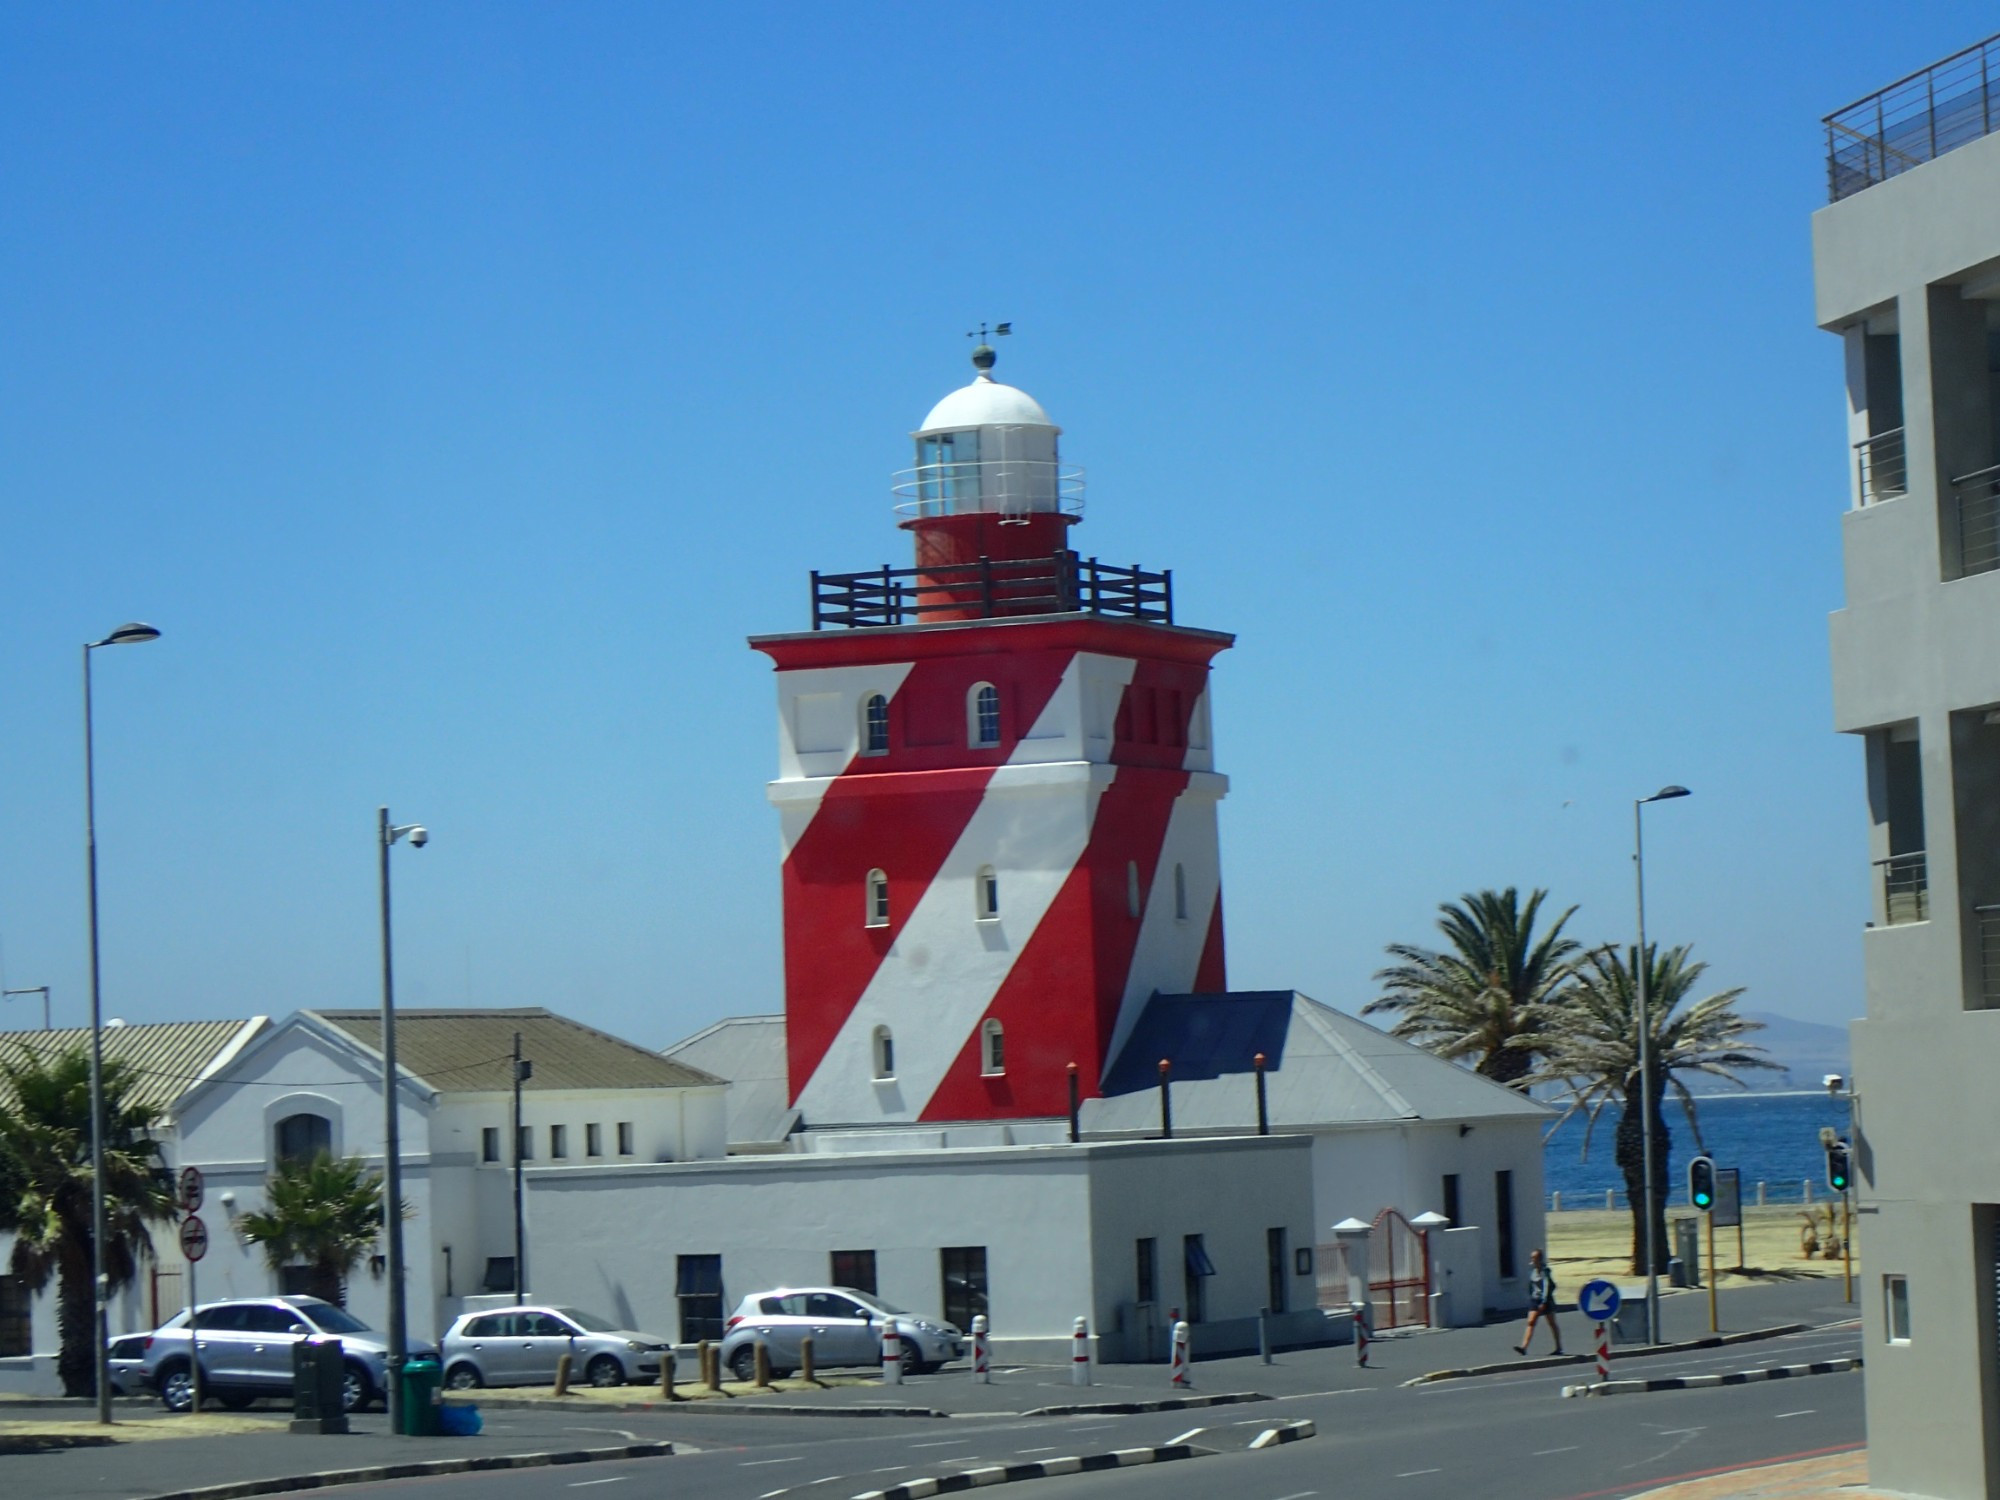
(168, 1057)
(749, 1052)
(469, 1051)
(1322, 1067)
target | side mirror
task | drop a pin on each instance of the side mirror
(301, 1330)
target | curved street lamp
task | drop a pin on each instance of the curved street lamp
(131, 634)
(1645, 1018)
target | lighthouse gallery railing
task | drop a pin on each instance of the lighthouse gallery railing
(1061, 584)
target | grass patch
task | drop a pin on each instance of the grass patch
(56, 1433)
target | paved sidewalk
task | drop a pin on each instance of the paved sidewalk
(1837, 1476)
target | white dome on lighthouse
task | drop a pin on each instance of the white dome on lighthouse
(986, 403)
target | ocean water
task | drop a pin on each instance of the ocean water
(1771, 1138)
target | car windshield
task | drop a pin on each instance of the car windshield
(588, 1322)
(330, 1319)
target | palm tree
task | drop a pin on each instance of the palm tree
(45, 1180)
(1593, 1046)
(324, 1210)
(1488, 994)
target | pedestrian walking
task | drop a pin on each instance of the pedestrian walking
(1541, 1302)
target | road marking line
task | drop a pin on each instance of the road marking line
(1415, 1472)
(1547, 1451)
(586, 1483)
(1050, 1449)
(758, 1463)
(1301, 1495)
(1784, 1414)
(945, 1443)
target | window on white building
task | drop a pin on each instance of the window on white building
(992, 1049)
(1896, 1308)
(302, 1137)
(875, 908)
(624, 1137)
(524, 1143)
(982, 716)
(986, 893)
(593, 1140)
(558, 1141)
(489, 1143)
(1180, 893)
(885, 1053)
(875, 725)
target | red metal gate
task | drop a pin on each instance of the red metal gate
(1399, 1272)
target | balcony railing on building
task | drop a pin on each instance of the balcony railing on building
(1060, 584)
(1988, 918)
(1882, 466)
(1914, 120)
(1978, 498)
(1906, 888)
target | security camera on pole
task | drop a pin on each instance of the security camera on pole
(392, 1142)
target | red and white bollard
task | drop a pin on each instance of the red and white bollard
(1603, 1353)
(982, 1355)
(1079, 1353)
(1361, 1334)
(892, 1353)
(1180, 1367)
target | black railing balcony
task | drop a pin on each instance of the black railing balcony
(1882, 466)
(1906, 888)
(1978, 497)
(1914, 120)
(988, 589)
(1988, 918)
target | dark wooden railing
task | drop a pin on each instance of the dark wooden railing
(1061, 584)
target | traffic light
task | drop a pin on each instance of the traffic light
(1701, 1183)
(1837, 1166)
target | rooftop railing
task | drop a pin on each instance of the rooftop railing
(1914, 120)
(1060, 584)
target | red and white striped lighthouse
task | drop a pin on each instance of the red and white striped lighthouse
(997, 791)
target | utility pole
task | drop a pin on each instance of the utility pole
(522, 1072)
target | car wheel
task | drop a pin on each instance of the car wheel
(913, 1357)
(743, 1362)
(463, 1377)
(605, 1370)
(356, 1389)
(176, 1382)
(236, 1400)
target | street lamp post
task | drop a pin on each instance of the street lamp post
(34, 989)
(392, 1139)
(132, 634)
(1641, 965)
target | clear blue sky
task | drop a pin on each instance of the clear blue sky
(458, 386)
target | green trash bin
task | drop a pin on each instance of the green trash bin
(423, 1381)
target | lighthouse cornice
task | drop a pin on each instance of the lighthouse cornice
(958, 638)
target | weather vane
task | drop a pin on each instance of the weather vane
(999, 330)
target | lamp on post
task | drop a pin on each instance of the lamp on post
(34, 989)
(1645, 1021)
(132, 634)
(386, 834)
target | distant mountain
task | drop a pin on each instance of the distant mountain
(1806, 1050)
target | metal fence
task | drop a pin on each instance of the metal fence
(1978, 497)
(1914, 120)
(1882, 466)
(1988, 918)
(1906, 888)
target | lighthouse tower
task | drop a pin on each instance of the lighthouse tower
(997, 794)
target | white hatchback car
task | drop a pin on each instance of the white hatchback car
(845, 1326)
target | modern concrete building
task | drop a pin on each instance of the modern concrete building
(1907, 261)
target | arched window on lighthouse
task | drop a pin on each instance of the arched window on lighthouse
(992, 1049)
(876, 911)
(986, 893)
(1180, 893)
(875, 725)
(885, 1053)
(982, 716)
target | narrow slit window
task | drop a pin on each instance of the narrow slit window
(874, 725)
(876, 911)
(593, 1140)
(1132, 889)
(1180, 893)
(558, 1141)
(986, 893)
(885, 1053)
(992, 1049)
(624, 1137)
(983, 716)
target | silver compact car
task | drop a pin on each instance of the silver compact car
(520, 1346)
(246, 1351)
(125, 1360)
(845, 1326)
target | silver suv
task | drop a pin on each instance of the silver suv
(520, 1346)
(246, 1351)
(846, 1329)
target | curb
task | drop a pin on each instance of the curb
(1703, 1382)
(1556, 1361)
(1136, 1408)
(733, 1404)
(1089, 1463)
(422, 1468)
(1291, 1432)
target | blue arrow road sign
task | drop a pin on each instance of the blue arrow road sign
(1598, 1301)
